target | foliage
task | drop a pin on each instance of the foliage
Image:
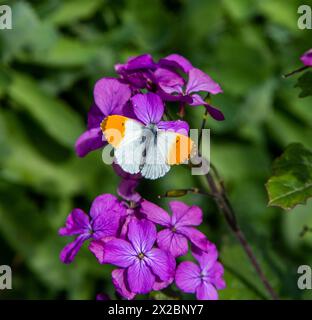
(49, 63)
(291, 183)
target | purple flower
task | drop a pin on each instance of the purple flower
(128, 184)
(149, 109)
(103, 222)
(179, 228)
(110, 97)
(137, 71)
(175, 88)
(204, 279)
(142, 265)
(307, 58)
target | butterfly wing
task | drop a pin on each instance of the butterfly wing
(125, 135)
(163, 150)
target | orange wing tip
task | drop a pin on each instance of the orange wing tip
(181, 150)
(113, 128)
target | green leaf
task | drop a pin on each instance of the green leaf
(62, 123)
(73, 10)
(305, 84)
(291, 183)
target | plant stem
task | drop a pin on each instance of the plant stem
(225, 207)
(295, 71)
(218, 192)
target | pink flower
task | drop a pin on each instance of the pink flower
(204, 279)
(179, 228)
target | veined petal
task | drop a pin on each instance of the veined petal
(77, 222)
(196, 237)
(169, 81)
(148, 107)
(110, 95)
(162, 263)
(120, 284)
(90, 140)
(140, 277)
(187, 276)
(119, 253)
(142, 235)
(184, 215)
(200, 81)
(69, 252)
(173, 242)
(206, 291)
(97, 247)
(206, 259)
(154, 213)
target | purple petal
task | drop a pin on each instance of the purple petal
(77, 222)
(69, 252)
(160, 285)
(206, 291)
(126, 190)
(95, 117)
(148, 107)
(307, 58)
(162, 263)
(178, 126)
(169, 81)
(97, 248)
(184, 215)
(144, 61)
(214, 112)
(200, 81)
(176, 61)
(119, 252)
(206, 260)
(105, 212)
(90, 140)
(110, 95)
(187, 276)
(196, 237)
(216, 276)
(155, 214)
(120, 284)
(140, 278)
(142, 235)
(173, 242)
(123, 174)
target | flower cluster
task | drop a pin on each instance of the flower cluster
(140, 91)
(125, 235)
(137, 236)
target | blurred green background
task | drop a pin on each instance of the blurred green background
(50, 61)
